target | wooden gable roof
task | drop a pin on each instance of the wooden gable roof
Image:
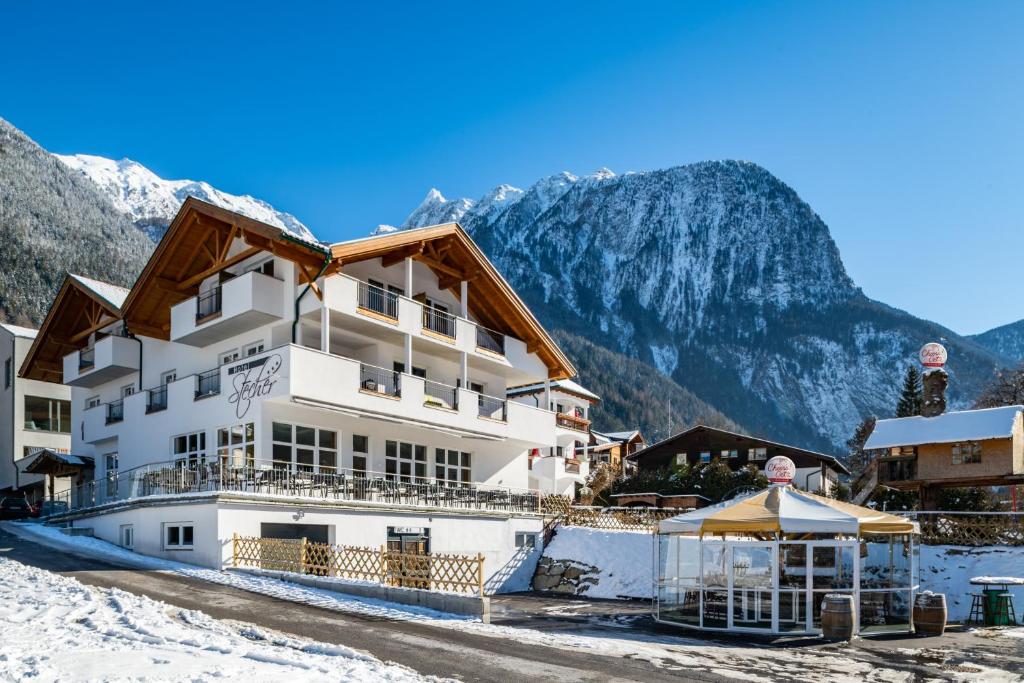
(197, 245)
(77, 311)
(453, 257)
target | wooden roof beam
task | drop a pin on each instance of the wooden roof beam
(217, 267)
(95, 327)
(437, 265)
(391, 259)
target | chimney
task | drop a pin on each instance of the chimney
(933, 399)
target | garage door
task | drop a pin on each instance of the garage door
(314, 533)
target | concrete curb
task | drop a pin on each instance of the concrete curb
(463, 605)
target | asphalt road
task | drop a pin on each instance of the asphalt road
(429, 650)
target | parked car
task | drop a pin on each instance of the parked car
(51, 507)
(12, 507)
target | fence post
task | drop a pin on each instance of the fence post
(383, 564)
(480, 574)
(234, 548)
(302, 556)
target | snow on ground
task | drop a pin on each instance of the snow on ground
(625, 559)
(676, 652)
(949, 569)
(57, 629)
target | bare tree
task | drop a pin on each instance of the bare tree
(1005, 389)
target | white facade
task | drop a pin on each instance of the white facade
(364, 382)
(33, 415)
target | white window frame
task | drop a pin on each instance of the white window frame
(92, 402)
(126, 536)
(194, 453)
(527, 539)
(412, 460)
(463, 472)
(365, 455)
(180, 526)
(229, 452)
(228, 356)
(168, 377)
(682, 458)
(253, 348)
(730, 453)
(757, 454)
(318, 448)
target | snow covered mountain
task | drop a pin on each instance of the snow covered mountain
(1006, 340)
(152, 201)
(720, 276)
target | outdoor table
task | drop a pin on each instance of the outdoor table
(993, 587)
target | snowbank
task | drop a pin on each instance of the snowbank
(626, 558)
(55, 628)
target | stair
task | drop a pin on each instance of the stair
(870, 478)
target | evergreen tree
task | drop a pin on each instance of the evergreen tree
(909, 403)
(857, 458)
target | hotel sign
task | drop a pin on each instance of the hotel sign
(252, 380)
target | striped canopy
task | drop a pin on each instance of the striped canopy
(786, 510)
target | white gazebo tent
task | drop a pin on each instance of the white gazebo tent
(763, 563)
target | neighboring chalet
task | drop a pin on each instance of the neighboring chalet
(355, 394)
(964, 448)
(615, 448)
(702, 444)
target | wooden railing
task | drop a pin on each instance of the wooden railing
(572, 422)
(621, 519)
(970, 528)
(435, 572)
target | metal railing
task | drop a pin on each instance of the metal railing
(156, 399)
(379, 380)
(208, 383)
(440, 395)
(377, 299)
(489, 340)
(208, 303)
(86, 358)
(492, 408)
(279, 478)
(439, 321)
(115, 411)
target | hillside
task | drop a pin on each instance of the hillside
(51, 221)
(1006, 340)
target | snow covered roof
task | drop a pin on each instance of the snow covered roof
(964, 425)
(19, 331)
(567, 385)
(621, 436)
(112, 294)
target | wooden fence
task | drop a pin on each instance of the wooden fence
(438, 572)
(971, 528)
(622, 519)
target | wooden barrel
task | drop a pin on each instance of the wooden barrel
(930, 614)
(838, 616)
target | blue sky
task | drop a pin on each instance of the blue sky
(900, 123)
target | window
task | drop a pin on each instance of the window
(405, 460)
(110, 467)
(178, 536)
(168, 377)
(681, 458)
(966, 453)
(127, 536)
(525, 539)
(236, 445)
(127, 390)
(92, 402)
(189, 449)
(452, 466)
(267, 268)
(306, 448)
(705, 456)
(360, 452)
(418, 372)
(253, 348)
(391, 288)
(47, 415)
(730, 453)
(7, 374)
(229, 356)
(758, 454)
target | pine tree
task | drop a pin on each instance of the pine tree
(857, 458)
(909, 403)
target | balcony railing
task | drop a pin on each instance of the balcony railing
(489, 340)
(440, 395)
(439, 322)
(208, 304)
(115, 411)
(156, 399)
(378, 300)
(287, 479)
(86, 358)
(492, 408)
(902, 469)
(379, 380)
(208, 383)
(572, 422)
(572, 465)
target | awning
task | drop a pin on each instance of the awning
(57, 464)
(786, 510)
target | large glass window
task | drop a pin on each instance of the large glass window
(360, 452)
(679, 590)
(716, 580)
(404, 461)
(452, 466)
(189, 450)
(236, 445)
(966, 453)
(752, 586)
(307, 449)
(47, 414)
(886, 579)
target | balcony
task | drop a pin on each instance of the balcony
(108, 359)
(490, 341)
(897, 469)
(237, 305)
(377, 301)
(156, 399)
(492, 408)
(207, 383)
(115, 411)
(437, 395)
(439, 323)
(380, 381)
(577, 424)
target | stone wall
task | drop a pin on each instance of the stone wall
(565, 576)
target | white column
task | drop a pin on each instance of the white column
(547, 394)
(464, 298)
(408, 277)
(408, 293)
(325, 324)
(464, 370)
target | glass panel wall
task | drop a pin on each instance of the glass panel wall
(715, 598)
(752, 585)
(793, 587)
(679, 587)
(886, 581)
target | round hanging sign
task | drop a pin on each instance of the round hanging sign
(780, 470)
(933, 355)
